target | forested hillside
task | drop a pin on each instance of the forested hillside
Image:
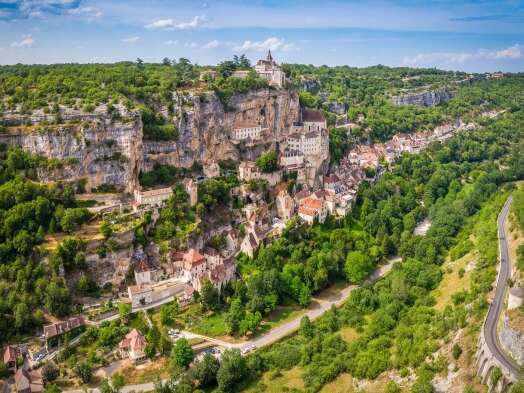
(459, 186)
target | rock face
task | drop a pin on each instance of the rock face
(98, 147)
(108, 148)
(426, 98)
(512, 335)
(205, 127)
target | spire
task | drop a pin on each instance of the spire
(269, 57)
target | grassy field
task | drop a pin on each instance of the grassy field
(149, 372)
(272, 382)
(452, 282)
(348, 334)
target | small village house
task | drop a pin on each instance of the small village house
(27, 381)
(53, 332)
(133, 346)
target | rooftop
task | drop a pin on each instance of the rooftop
(313, 115)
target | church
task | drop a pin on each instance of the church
(268, 69)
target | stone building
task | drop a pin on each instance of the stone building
(269, 70)
(133, 346)
(191, 187)
(27, 381)
(152, 197)
(246, 129)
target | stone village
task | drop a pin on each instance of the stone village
(320, 190)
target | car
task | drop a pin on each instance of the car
(249, 348)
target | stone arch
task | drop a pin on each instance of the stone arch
(482, 365)
(480, 357)
(486, 377)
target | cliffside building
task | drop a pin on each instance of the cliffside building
(268, 69)
(152, 197)
(246, 130)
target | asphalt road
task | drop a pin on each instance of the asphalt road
(490, 325)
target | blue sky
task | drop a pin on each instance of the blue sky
(476, 36)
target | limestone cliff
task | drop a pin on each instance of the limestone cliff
(100, 147)
(205, 127)
(425, 98)
(107, 147)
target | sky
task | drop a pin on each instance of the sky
(467, 35)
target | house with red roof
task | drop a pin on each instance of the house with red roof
(28, 381)
(10, 355)
(133, 346)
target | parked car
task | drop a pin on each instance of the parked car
(248, 348)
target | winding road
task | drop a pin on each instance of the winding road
(490, 325)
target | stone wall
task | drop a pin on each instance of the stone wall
(511, 335)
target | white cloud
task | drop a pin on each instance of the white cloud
(88, 12)
(272, 43)
(171, 42)
(513, 52)
(26, 42)
(191, 45)
(131, 40)
(212, 45)
(170, 24)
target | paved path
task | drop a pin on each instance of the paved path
(490, 326)
(287, 328)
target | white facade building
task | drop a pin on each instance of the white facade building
(246, 130)
(152, 197)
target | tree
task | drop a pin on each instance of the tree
(73, 218)
(457, 351)
(52, 388)
(268, 161)
(4, 371)
(182, 353)
(250, 322)
(113, 385)
(306, 329)
(106, 230)
(124, 309)
(233, 369)
(168, 313)
(50, 372)
(392, 387)
(357, 266)
(205, 371)
(235, 315)
(84, 371)
(210, 298)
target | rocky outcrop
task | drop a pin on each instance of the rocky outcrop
(205, 127)
(108, 147)
(425, 98)
(512, 335)
(99, 147)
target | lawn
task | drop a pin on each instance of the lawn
(194, 319)
(276, 382)
(348, 334)
(151, 371)
(452, 282)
